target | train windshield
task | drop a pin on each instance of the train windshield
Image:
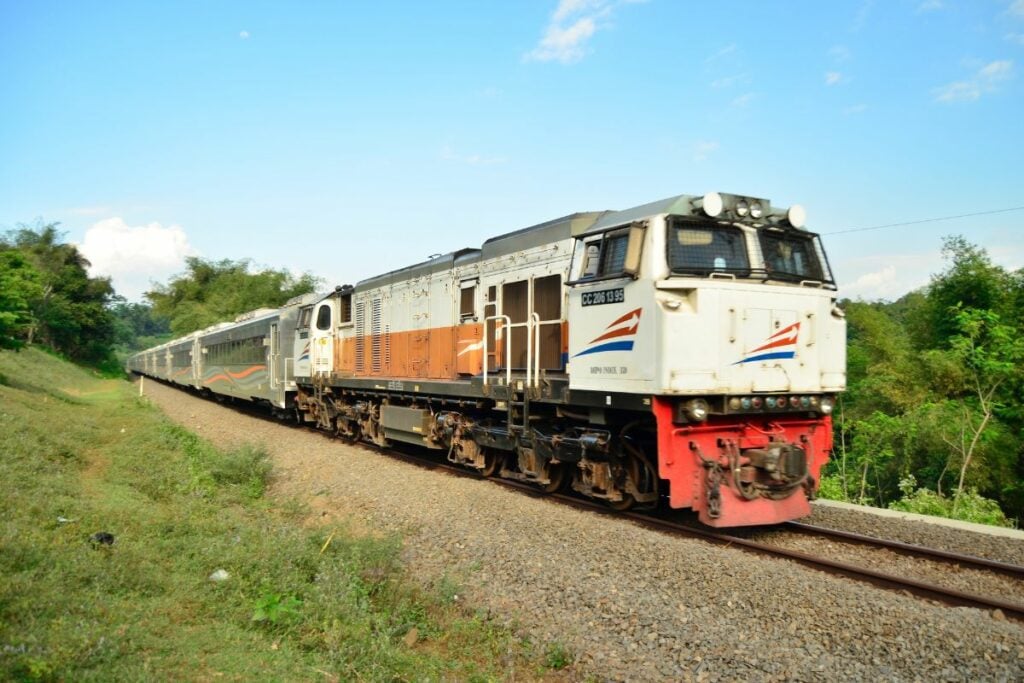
(792, 256)
(700, 249)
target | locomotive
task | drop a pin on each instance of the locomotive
(684, 352)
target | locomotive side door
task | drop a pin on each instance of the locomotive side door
(301, 350)
(322, 339)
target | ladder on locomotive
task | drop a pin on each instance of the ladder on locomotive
(516, 392)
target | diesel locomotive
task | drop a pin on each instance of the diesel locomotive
(684, 352)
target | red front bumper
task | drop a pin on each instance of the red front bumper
(680, 448)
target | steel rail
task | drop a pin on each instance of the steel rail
(970, 561)
(948, 596)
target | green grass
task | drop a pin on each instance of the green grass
(75, 446)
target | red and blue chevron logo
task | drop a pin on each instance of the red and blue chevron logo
(780, 345)
(618, 336)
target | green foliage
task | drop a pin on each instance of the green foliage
(935, 384)
(276, 609)
(557, 656)
(966, 506)
(60, 305)
(19, 286)
(83, 454)
(212, 291)
(136, 327)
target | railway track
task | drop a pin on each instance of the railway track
(926, 590)
(922, 589)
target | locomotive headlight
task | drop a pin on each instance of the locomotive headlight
(805, 401)
(827, 404)
(697, 409)
(745, 402)
(711, 204)
(742, 208)
(756, 211)
(770, 401)
(796, 216)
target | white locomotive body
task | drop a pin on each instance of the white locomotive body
(687, 350)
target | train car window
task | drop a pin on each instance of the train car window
(547, 297)
(323, 318)
(790, 256)
(345, 309)
(467, 303)
(304, 315)
(701, 250)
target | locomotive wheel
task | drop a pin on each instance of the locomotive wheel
(627, 502)
(556, 476)
(492, 462)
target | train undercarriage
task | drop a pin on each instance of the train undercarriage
(732, 472)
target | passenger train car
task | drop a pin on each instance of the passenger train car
(687, 350)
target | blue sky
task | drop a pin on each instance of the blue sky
(349, 139)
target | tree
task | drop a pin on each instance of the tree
(19, 285)
(136, 326)
(68, 312)
(990, 353)
(213, 291)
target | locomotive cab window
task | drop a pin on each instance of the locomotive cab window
(323, 317)
(695, 249)
(613, 254)
(790, 256)
(304, 315)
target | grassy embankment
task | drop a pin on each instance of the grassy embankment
(79, 455)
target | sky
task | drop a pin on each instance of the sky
(349, 139)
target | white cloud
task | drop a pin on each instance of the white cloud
(243, 35)
(930, 6)
(703, 149)
(885, 276)
(743, 100)
(725, 51)
(729, 81)
(1016, 8)
(833, 78)
(839, 53)
(134, 257)
(1015, 38)
(572, 25)
(985, 80)
(448, 154)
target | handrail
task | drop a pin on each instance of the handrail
(534, 327)
(508, 346)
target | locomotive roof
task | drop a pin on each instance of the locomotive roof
(440, 263)
(678, 204)
(518, 240)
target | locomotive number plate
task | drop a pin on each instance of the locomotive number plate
(604, 296)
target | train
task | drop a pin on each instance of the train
(686, 353)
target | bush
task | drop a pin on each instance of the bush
(967, 506)
(831, 488)
(247, 467)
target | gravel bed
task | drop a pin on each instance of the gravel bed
(920, 533)
(627, 602)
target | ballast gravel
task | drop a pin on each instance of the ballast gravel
(628, 603)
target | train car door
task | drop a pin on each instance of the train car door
(322, 339)
(300, 351)
(419, 352)
(197, 362)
